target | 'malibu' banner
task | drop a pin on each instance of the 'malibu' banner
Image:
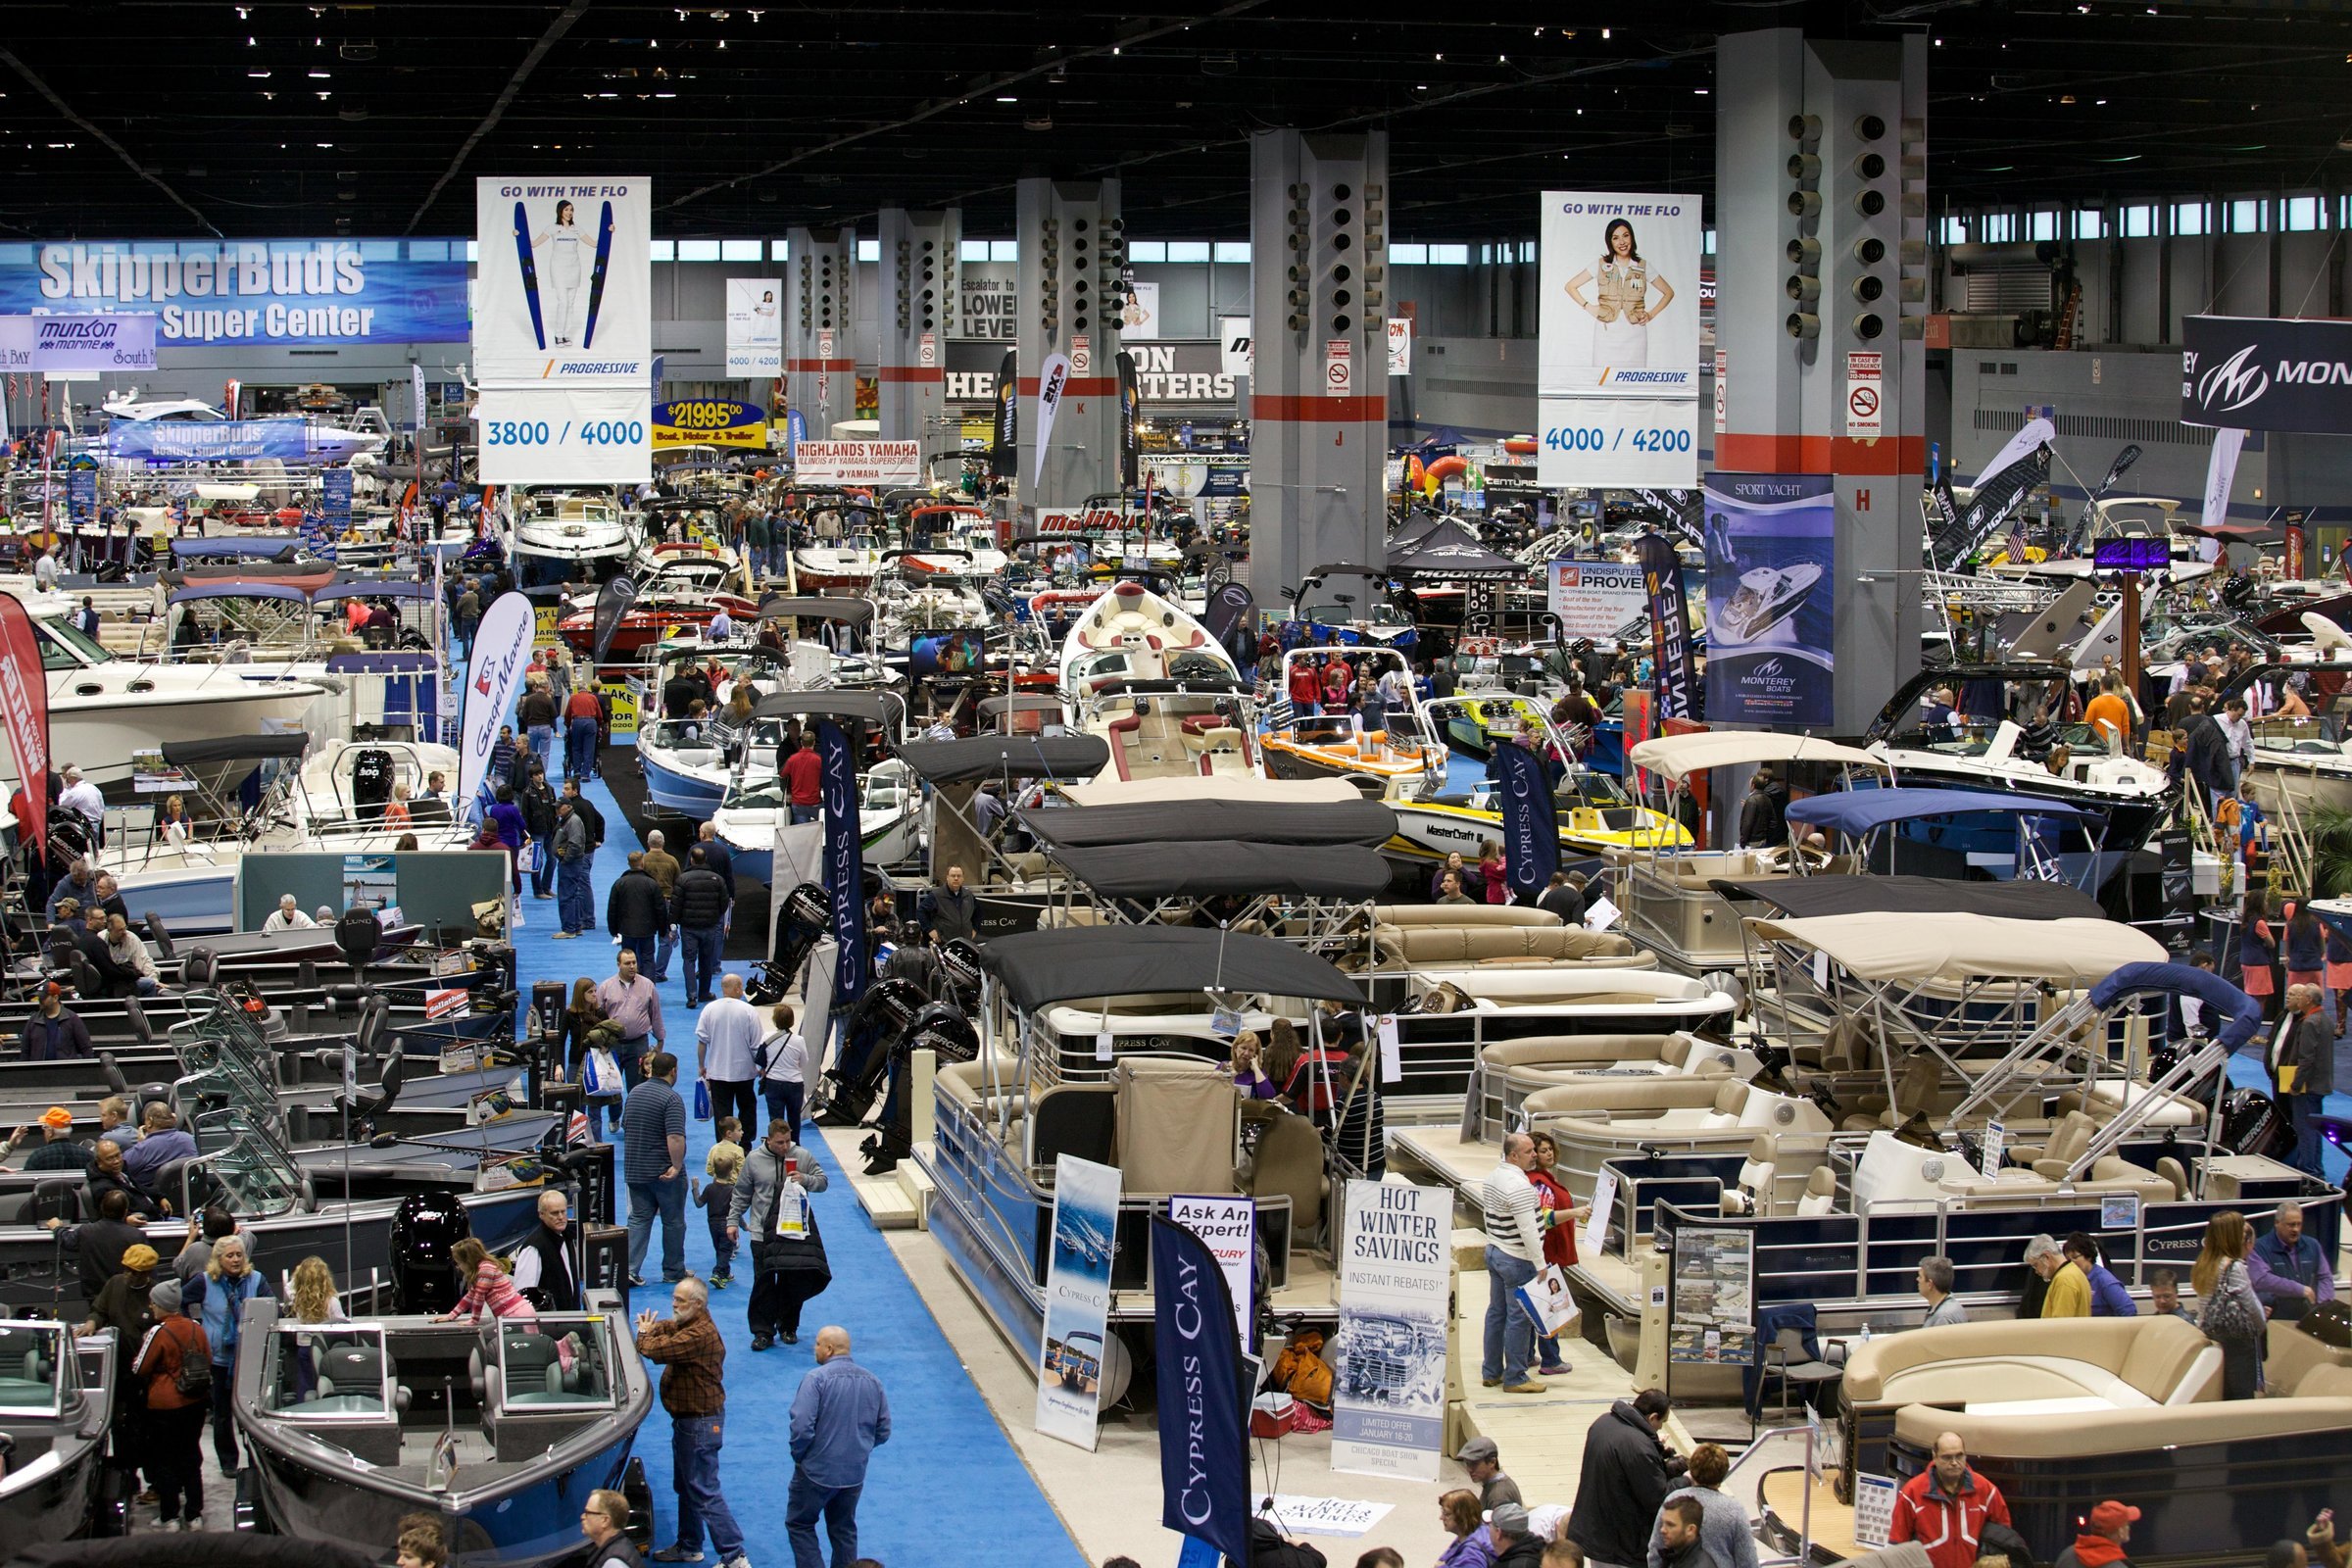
(502, 651)
(24, 711)
(1531, 819)
(845, 861)
(1003, 458)
(1204, 1445)
(1676, 677)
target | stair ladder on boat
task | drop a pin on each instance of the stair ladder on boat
(2290, 844)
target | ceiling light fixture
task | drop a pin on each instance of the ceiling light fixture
(259, 75)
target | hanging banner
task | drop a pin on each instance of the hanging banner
(1131, 438)
(416, 398)
(219, 441)
(1051, 376)
(1003, 455)
(2019, 469)
(82, 497)
(755, 327)
(1676, 677)
(1138, 317)
(563, 330)
(711, 422)
(2220, 474)
(502, 650)
(1387, 1359)
(1070, 1364)
(1771, 597)
(1234, 341)
(2267, 373)
(613, 603)
(1203, 1436)
(845, 861)
(858, 463)
(1228, 1228)
(1618, 355)
(1400, 345)
(2034, 433)
(1594, 599)
(102, 343)
(25, 712)
(1531, 819)
(285, 292)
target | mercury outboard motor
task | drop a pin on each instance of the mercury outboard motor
(847, 1089)
(427, 1226)
(372, 782)
(941, 1028)
(807, 915)
(2250, 1122)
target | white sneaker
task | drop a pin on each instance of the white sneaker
(739, 1560)
(192, 1523)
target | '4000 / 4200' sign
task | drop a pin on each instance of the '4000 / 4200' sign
(1594, 439)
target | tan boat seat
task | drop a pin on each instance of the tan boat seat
(1459, 914)
(1288, 1163)
(2130, 1363)
(1821, 1191)
(1452, 946)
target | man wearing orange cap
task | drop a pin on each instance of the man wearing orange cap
(57, 1150)
(2103, 1538)
(53, 1034)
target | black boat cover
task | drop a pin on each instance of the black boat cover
(979, 757)
(877, 707)
(1223, 867)
(1174, 825)
(1804, 897)
(234, 749)
(1042, 967)
(855, 612)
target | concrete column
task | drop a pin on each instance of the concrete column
(1072, 246)
(821, 366)
(1319, 387)
(916, 316)
(1821, 264)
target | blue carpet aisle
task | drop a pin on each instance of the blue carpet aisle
(946, 1445)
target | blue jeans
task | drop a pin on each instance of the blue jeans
(575, 907)
(783, 1102)
(699, 951)
(579, 748)
(693, 1443)
(543, 874)
(2303, 1115)
(1510, 1331)
(838, 1506)
(541, 738)
(803, 813)
(664, 944)
(669, 1200)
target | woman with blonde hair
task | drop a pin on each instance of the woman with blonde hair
(1248, 1071)
(1458, 1511)
(315, 1297)
(2228, 1309)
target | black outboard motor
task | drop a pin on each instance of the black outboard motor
(372, 782)
(2251, 1124)
(941, 1028)
(806, 916)
(850, 1086)
(427, 1226)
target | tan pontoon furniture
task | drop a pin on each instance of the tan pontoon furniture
(1460, 915)
(2037, 1366)
(1511, 1070)
(1571, 990)
(1422, 945)
(1613, 1118)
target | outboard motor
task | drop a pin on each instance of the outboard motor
(424, 1230)
(2251, 1124)
(941, 1028)
(372, 782)
(806, 916)
(848, 1086)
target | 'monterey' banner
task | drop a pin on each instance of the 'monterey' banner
(2267, 373)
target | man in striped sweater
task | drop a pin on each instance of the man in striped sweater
(1514, 1227)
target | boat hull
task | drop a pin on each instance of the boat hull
(677, 790)
(99, 728)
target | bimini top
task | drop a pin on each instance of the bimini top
(1806, 895)
(373, 588)
(1677, 757)
(281, 549)
(2179, 979)
(234, 749)
(855, 611)
(1040, 967)
(1854, 812)
(984, 756)
(874, 706)
(1212, 787)
(1174, 827)
(1933, 945)
(1216, 868)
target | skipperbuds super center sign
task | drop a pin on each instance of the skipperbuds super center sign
(250, 291)
(2265, 373)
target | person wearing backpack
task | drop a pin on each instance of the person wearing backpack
(174, 1366)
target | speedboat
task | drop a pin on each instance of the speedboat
(847, 566)
(964, 546)
(1480, 722)
(57, 1396)
(500, 1431)
(1595, 817)
(1130, 634)
(686, 771)
(1765, 597)
(686, 589)
(555, 534)
(890, 811)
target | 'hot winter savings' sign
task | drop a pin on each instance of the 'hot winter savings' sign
(1389, 1358)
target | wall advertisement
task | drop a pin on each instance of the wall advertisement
(1771, 542)
(846, 464)
(1618, 358)
(59, 343)
(1388, 1358)
(1069, 1370)
(1594, 599)
(712, 423)
(282, 292)
(563, 335)
(755, 327)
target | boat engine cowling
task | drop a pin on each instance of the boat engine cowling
(427, 1226)
(2250, 1122)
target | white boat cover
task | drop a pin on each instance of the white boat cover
(1680, 755)
(1970, 947)
(1212, 787)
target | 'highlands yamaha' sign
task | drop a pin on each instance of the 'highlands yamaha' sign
(2259, 373)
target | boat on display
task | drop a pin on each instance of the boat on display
(1765, 598)
(1398, 760)
(955, 541)
(890, 816)
(1476, 723)
(688, 771)
(499, 1430)
(57, 1397)
(556, 537)
(684, 592)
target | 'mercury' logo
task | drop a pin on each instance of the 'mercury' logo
(2233, 384)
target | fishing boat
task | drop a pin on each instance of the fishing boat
(687, 772)
(1765, 598)
(499, 1430)
(57, 1398)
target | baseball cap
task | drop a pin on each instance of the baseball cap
(1508, 1518)
(1479, 1450)
(139, 1256)
(57, 1116)
(2112, 1515)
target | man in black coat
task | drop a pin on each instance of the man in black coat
(635, 911)
(1760, 824)
(699, 909)
(1626, 1474)
(588, 812)
(538, 803)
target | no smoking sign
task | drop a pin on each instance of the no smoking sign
(1339, 367)
(1864, 380)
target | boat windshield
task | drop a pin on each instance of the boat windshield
(1379, 612)
(33, 1358)
(328, 1371)
(65, 646)
(566, 1364)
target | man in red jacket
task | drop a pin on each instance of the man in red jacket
(1946, 1507)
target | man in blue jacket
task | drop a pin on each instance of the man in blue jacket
(838, 1417)
(2290, 1270)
